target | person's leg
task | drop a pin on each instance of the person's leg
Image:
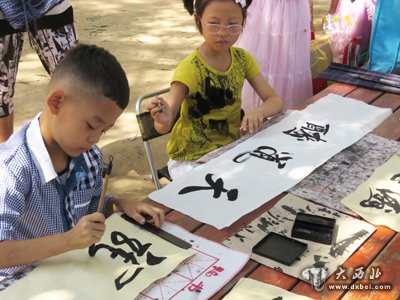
(6, 127)
(51, 44)
(10, 54)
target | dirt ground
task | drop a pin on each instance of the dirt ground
(149, 38)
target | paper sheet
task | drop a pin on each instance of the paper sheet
(378, 199)
(200, 276)
(270, 162)
(351, 233)
(344, 172)
(142, 259)
(248, 288)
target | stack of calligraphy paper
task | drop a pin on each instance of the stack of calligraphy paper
(351, 233)
(200, 276)
(248, 288)
(126, 261)
(378, 199)
(344, 172)
(272, 161)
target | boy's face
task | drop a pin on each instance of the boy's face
(81, 122)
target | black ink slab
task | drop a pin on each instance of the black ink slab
(159, 232)
(280, 248)
(314, 228)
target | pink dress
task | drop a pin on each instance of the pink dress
(277, 34)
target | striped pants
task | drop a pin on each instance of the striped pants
(49, 44)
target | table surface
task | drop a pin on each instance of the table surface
(381, 249)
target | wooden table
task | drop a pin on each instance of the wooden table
(382, 249)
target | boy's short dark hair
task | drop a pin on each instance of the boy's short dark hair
(95, 67)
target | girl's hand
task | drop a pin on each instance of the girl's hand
(160, 110)
(252, 121)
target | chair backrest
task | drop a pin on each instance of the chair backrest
(146, 126)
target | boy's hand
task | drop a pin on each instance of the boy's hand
(141, 211)
(160, 110)
(88, 230)
(144, 211)
(252, 121)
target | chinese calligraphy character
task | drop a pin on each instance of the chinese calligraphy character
(320, 261)
(375, 273)
(217, 186)
(310, 132)
(214, 271)
(119, 283)
(118, 239)
(240, 237)
(359, 273)
(267, 153)
(271, 221)
(196, 287)
(341, 274)
(396, 177)
(383, 197)
(340, 247)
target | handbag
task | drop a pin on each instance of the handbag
(385, 38)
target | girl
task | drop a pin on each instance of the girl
(206, 88)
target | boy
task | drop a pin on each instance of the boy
(50, 170)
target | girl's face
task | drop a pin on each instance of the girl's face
(221, 24)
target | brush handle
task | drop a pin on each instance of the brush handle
(103, 194)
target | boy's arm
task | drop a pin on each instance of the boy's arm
(164, 111)
(87, 231)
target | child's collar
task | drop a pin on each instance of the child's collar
(39, 151)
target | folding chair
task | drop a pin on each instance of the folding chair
(146, 126)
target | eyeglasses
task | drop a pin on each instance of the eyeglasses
(233, 29)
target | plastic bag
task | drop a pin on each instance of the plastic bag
(349, 30)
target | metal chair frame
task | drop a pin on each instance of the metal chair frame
(148, 132)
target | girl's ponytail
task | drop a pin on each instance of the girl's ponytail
(189, 6)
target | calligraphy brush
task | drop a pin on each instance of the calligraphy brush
(103, 192)
(105, 183)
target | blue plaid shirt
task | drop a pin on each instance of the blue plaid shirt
(34, 202)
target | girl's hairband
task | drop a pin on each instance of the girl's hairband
(241, 2)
